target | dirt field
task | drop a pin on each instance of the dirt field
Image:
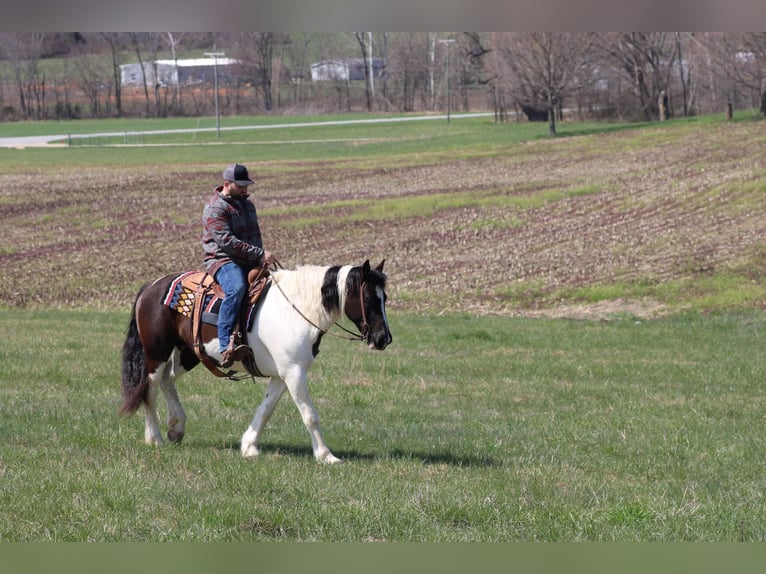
(514, 233)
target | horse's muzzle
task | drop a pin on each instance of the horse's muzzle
(379, 340)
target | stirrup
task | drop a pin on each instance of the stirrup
(233, 355)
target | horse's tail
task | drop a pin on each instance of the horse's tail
(134, 375)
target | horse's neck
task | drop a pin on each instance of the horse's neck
(303, 289)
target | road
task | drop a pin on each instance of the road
(21, 142)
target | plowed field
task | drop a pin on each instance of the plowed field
(641, 221)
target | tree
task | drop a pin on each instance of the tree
(410, 66)
(115, 41)
(91, 81)
(174, 38)
(23, 51)
(647, 59)
(137, 39)
(255, 53)
(741, 58)
(544, 69)
(294, 66)
(361, 38)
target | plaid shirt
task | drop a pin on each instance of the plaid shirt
(231, 231)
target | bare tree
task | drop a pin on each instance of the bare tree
(473, 49)
(622, 75)
(684, 71)
(494, 73)
(255, 53)
(137, 40)
(741, 60)
(699, 52)
(692, 61)
(23, 51)
(115, 41)
(647, 58)
(93, 80)
(362, 38)
(146, 46)
(754, 44)
(409, 67)
(295, 65)
(174, 39)
(545, 67)
(383, 44)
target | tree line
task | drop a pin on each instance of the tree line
(538, 76)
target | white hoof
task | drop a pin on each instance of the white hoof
(250, 451)
(328, 458)
(152, 440)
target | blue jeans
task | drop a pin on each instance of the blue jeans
(232, 279)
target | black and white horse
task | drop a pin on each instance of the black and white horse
(296, 311)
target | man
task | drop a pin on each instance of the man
(231, 238)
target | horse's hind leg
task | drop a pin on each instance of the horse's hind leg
(152, 434)
(252, 436)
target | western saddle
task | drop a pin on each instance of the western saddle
(258, 283)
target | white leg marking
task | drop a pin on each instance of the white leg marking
(152, 435)
(176, 415)
(252, 436)
(296, 384)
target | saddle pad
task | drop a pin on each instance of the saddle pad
(180, 293)
(180, 297)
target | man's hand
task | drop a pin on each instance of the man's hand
(268, 259)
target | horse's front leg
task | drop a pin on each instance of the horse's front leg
(176, 415)
(252, 436)
(296, 384)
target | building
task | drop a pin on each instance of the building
(170, 72)
(344, 69)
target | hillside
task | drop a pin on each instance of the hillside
(635, 221)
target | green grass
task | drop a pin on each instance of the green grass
(465, 429)
(394, 144)
(386, 145)
(376, 209)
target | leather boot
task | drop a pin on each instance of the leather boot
(233, 354)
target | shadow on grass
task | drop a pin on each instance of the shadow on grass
(426, 458)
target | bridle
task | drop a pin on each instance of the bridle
(364, 331)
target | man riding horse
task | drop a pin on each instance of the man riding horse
(231, 238)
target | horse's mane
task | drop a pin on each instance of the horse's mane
(304, 287)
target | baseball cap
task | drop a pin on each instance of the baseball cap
(238, 174)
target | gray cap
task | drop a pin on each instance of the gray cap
(238, 174)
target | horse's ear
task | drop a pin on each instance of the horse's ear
(366, 268)
(380, 266)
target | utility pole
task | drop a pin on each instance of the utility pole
(215, 56)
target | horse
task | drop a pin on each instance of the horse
(296, 311)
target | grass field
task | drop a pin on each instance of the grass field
(494, 416)
(467, 429)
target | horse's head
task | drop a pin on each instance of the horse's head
(366, 304)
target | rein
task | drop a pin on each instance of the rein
(354, 337)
